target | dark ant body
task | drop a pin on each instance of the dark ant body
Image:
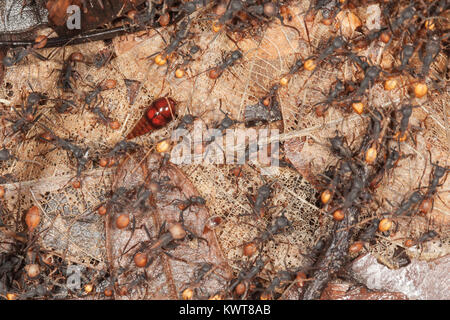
(183, 205)
(188, 8)
(427, 236)
(391, 160)
(272, 97)
(263, 194)
(365, 40)
(176, 41)
(358, 60)
(278, 226)
(101, 115)
(318, 248)
(279, 281)
(369, 232)
(427, 202)
(142, 196)
(234, 6)
(81, 155)
(432, 49)
(5, 155)
(265, 11)
(27, 115)
(247, 275)
(117, 200)
(335, 92)
(415, 198)
(358, 185)
(370, 75)
(26, 120)
(34, 98)
(339, 149)
(194, 200)
(329, 8)
(232, 58)
(122, 147)
(406, 111)
(297, 66)
(199, 275)
(373, 132)
(64, 105)
(226, 123)
(144, 18)
(166, 238)
(103, 57)
(335, 178)
(19, 55)
(180, 36)
(438, 173)
(332, 96)
(188, 56)
(185, 121)
(201, 272)
(92, 96)
(405, 15)
(266, 110)
(68, 72)
(223, 125)
(333, 45)
(405, 55)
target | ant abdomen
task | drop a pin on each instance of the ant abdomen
(158, 115)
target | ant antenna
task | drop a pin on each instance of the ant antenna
(234, 41)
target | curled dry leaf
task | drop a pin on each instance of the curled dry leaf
(172, 270)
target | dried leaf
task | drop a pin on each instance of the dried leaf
(172, 269)
(133, 87)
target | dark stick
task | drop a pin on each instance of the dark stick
(82, 38)
(334, 257)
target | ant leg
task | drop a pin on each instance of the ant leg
(432, 202)
(39, 56)
(100, 3)
(133, 228)
(306, 26)
(197, 237)
(214, 84)
(171, 256)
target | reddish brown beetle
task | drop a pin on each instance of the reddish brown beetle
(159, 114)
